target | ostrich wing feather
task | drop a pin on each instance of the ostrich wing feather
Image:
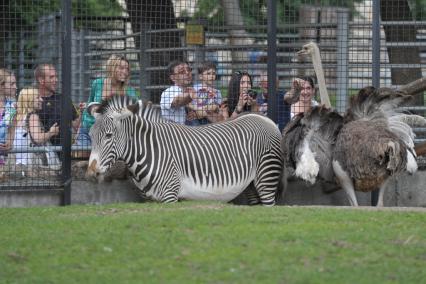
(319, 128)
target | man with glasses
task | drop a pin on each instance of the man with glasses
(175, 98)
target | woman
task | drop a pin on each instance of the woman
(7, 112)
(115, 83)
(301, 95)
(241, 97)
(30, 130)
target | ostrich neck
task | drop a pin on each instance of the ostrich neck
(316, 60)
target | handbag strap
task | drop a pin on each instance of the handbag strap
(27, 125)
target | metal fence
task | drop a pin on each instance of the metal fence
(380, 43)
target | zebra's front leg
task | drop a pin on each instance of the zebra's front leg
(170, 196)
(170, 191)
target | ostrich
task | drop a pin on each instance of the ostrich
(373, 144)
(359, 150)
(313, 50)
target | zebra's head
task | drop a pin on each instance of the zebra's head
(108, 133)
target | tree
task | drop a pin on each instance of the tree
(156, 15)
(22, 15)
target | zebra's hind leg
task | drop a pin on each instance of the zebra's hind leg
(267, 179)
(252, 195)
(266, 188)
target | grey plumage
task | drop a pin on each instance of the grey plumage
(372, 142)
(319, 128)
(361, 150)
(372, 145)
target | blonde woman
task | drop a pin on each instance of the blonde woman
(115, 83)
(7, 112)
(30, 131)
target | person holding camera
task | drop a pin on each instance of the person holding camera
(241, 97)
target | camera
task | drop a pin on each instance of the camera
(252, 93)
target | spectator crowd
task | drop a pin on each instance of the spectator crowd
(32, 118)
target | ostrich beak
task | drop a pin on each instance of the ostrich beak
(303, 51)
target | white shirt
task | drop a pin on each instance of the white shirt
(174, 114)
(22, 140)
(313, 103)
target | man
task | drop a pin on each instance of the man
(175, 98)
(283, 115)
(46, 80)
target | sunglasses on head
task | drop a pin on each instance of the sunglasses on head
(241, 73)
(183, 70)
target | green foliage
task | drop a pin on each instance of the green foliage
(255, 11)
(207, 242)
(27, 12)
(210, 10)
(418, 9)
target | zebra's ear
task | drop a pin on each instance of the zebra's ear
(134, 108)
(122, 114)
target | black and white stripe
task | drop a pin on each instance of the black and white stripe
(170, 161)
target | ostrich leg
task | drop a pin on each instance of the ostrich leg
(382, 192)
(346, 183)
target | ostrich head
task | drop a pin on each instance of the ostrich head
(309, 49)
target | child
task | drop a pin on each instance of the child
(7, 112)
(208, 99)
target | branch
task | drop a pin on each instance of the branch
(414, 87)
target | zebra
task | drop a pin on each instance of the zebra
(169, 162)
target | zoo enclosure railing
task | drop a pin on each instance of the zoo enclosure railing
(345, 44)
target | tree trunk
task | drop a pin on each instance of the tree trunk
(4, 29)
(399, 10)
(158, 15)
(237, 35)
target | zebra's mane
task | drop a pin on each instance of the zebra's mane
(114, 104)
(145, 110)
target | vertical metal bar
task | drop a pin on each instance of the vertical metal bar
(21, 68)
(376, 65)
(376, 44)
(145, 62)
(65, 126)
(272, 60)
(342, 59)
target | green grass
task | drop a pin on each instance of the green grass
(197, 242)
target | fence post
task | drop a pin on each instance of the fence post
(272, 60)
(65, 98)
(376, 66)
(21, 64)
(342, 59)
(145, 61)
(80, 67)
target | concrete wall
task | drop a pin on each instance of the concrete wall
(406, 191)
